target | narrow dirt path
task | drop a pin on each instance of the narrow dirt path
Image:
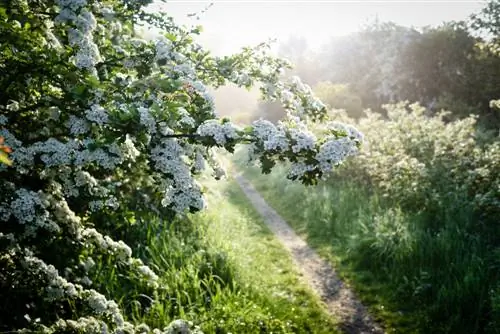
(340, 300)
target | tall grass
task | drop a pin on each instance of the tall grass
(223, 270)
(418, 273)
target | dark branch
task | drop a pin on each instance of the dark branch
(183, 135)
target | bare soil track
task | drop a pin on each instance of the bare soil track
(318, 274)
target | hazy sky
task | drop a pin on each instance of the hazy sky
(228, 25)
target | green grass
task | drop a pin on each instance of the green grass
(224, 271)
(416, 279)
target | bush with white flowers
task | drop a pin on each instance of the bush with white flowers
(106, 127)
(420, 161)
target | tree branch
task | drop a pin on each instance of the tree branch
(183, 135)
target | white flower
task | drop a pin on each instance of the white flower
(13, 106)
(129, 150)
(273, 138)
(77, 126)
(86, 22)
(147, 273)
(96, 205)
(219, 132)
(86, 281)
(287, 96)
(107, 12)
(73, 5)
(304, 140)
(147, 119)
(97, 302)
(334, 151)
(298, 169)
(112, 202)
(88, 264)
(163, 49)
(97, 114)
(24, 207)
(185, 69)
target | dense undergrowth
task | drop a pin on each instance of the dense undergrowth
(412, 222)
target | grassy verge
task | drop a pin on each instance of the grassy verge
(224, 271)
(415, 279)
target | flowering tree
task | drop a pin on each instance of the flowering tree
(106, 127)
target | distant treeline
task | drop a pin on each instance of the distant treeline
(455, 66)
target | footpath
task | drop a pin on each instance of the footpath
(317, 273)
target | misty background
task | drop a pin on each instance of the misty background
(357, 55)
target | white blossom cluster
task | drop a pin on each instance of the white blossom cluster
(287, 96)
(297, 98)
(122, 252)
(129, 151)
(184, 70)
(74, 11)
(293, 137)
(303, 139)
(218, 170)
(30, 210)
(333, 151)
(145, 273)
(147, 119)
(94, 325)
(181, 326)
(199, 164)
(87, 264)
(273, 137)
(54, 152)
(300, 86)
(77, 126)
(241, 79)
(119, 249)
(82, 325)
(221, 133)
(298, 169)
(61, 211)
(68, 9)
(182, 192)
(108, 13)
(270, 90)
(164, 49)
(57, 287)
(96, 114)
(348, 129)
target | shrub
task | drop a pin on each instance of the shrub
(420, 161)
